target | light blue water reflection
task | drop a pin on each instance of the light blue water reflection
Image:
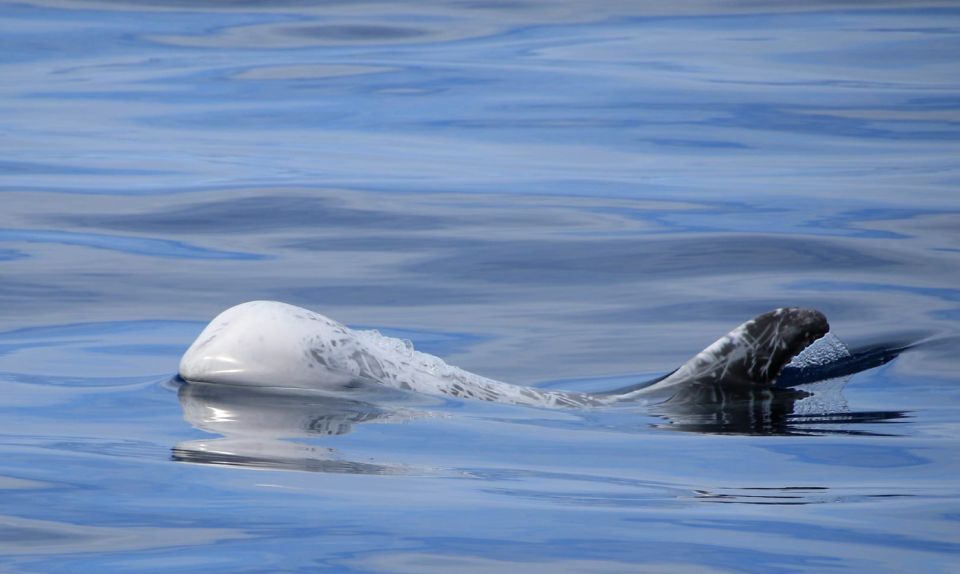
(556, 193)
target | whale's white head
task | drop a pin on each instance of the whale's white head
(262, 343)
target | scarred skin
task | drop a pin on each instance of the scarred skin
(273, 344)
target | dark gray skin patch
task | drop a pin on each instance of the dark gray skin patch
(771, 340)
(369, 365)
(764, 346)
(318, 357)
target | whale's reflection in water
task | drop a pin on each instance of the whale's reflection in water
(817, 408)
(257, 425)
(807, 399)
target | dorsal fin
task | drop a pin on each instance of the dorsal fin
(756, 351)
(752, 354)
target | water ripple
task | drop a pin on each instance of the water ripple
(124, 244)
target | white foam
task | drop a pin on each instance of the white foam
(826, 396)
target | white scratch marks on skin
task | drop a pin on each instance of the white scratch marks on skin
(267, 343)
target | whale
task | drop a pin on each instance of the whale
(270, 344)
(269, 379)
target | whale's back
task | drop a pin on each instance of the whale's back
(273, 344)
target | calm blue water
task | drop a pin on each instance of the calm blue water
(568, 194)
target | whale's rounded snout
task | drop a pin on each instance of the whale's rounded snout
(260, 343)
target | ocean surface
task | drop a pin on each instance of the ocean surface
(568, 194)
